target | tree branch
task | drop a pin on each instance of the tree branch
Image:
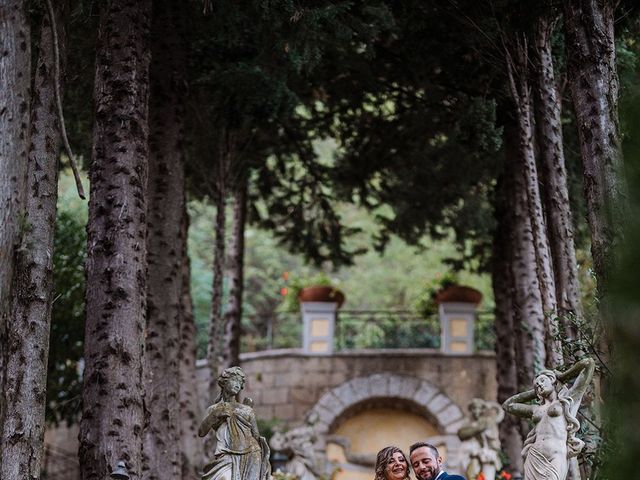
(56, 82)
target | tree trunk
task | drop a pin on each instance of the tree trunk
(550, 143)
(535, 297)
(530, 346)
(216, 326)
(190, 413)
(165, 211)
(32, 295)
(593, 80)
(507, 377)
(113, 411)
(15, 78)
(529, 318)
(541, 246)
(233, 315)
(594, 85)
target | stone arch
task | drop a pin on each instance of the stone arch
(434, 403)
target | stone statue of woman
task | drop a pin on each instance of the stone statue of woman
(552, 441)
(481, 438)
(240, 453)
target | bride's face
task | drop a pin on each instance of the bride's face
(396, 467)
(543, 386)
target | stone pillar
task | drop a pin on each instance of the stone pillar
(457, 327)
(318, 323)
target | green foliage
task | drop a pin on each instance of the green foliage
(268, 427)
(426, 304)
(64, 382)
(251, 70)
(64, 374)
(298, 207)
(415, 129)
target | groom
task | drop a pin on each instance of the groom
(427, 463)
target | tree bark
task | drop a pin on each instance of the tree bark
(32, 294)
(15, 78)
(216, 326)
(113, 398)
(502, 281)
(527, 300)
(550, 143)
(165, 243)
(537, 306)
(593, 80)
(190, 412)
(541, 246)
(233, 315)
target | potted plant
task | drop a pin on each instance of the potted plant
(317, 288)
(458, 293)
(445, 288)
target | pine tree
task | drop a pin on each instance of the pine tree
(15, 77)
(113, 417)
(548, 105)
(165, 239)
(189, 404)
(593, 80)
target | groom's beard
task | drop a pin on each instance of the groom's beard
(427, 473)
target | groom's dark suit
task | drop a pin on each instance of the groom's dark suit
(446, 476)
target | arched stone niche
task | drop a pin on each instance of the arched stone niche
(363, 401)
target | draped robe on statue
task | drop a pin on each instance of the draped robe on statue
(239, 455)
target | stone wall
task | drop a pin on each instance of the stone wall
(286, 384)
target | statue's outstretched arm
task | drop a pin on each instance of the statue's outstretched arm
(515, 405)
(583, 370)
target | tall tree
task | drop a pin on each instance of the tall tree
(549, 138)
(216, 318)
(15, 79)
(233, 313)
(527, 300)
(165, 211)
(22, 433)
(191, 444)
(113, 418)
(593, 80)
(535, 223)
(506, 366)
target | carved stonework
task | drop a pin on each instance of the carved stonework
(240, 451)
(304, 448)
(422, 397)
(481, 442)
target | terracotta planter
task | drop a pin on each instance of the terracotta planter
(458, 293)
(321, 293)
